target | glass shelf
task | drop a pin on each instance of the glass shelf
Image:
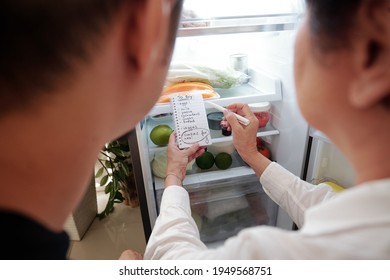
(261, 87)
(209, 175)
(216, 135)
(216, 17)
(232, 25)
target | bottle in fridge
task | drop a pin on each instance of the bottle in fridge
(228, 197)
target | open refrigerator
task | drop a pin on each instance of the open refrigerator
(225, 201)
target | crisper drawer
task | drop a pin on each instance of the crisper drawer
(222, 208)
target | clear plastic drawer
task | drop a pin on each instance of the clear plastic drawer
(222, 208)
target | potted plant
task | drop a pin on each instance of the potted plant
(114, 173)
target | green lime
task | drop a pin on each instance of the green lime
(160, 134)
(223, 161)
(205, 161)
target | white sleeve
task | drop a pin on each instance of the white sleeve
(175, 233)
(291, 193)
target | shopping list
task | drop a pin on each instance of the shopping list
(190, 120)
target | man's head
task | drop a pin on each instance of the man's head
(74, 75)
(45, 44)
(40, 41)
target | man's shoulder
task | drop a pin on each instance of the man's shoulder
(24, 238)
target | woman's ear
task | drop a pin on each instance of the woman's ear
(146, 33)
(371, 47)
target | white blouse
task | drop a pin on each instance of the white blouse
(353, 224)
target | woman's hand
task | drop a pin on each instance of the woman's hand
(244, 137)
(177, 161)
(131, 255)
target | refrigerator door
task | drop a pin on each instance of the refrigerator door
(326, 163)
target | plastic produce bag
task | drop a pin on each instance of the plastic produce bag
(159, 164)
(218, 78)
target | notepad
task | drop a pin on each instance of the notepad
(190, 120)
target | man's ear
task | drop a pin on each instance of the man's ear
(146, 33)
(371, 47)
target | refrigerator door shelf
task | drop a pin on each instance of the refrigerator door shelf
(261, 87)
(221, 208)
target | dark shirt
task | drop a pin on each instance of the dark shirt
(24, 239)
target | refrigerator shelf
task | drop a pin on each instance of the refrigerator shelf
(238, 24)
(261, 87)
(208, 176)
(216, 135)
(221, 30)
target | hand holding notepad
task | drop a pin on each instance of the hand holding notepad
(190, 120)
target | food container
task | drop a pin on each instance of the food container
(214, 119)
(225, 131)
(239, 62)
(261, 111)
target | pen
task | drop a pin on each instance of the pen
(241, 119)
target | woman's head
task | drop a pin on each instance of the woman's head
(342, 68)
(337, 33)
(331, 21)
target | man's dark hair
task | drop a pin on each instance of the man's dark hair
(41, 39)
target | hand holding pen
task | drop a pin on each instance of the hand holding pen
(240, 118)
(244, 136)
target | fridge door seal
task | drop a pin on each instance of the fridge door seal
(140, 184)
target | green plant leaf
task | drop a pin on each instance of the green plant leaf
(110, 206)
(124, 146)
(119, 196)
(126, 169)
(104, 180)
(122, 175)
(117, 151)
(120, 159)
(113, 191)
(108, 188)
(99, 172)
(109, 164)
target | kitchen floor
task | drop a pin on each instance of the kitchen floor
(106, 239)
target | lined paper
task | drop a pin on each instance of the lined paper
(190, 119)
